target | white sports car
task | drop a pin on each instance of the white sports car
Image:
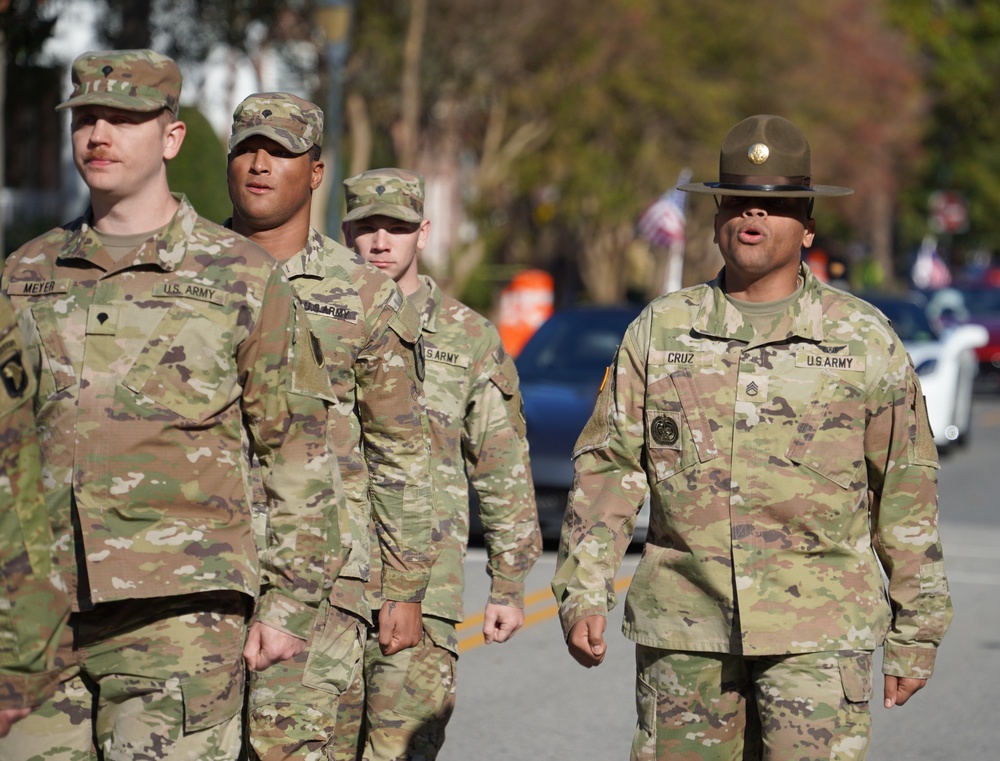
(945, 362)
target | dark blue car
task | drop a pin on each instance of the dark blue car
(561, 369)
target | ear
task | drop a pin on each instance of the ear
(809, 233)
(317, 175)
(423, 233)
(715, 230)
(345, 228)
(173, 138)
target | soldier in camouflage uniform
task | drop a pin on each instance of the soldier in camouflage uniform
(780, 430)
(369, 334)
(33, 607)
(170, 350)
(477, 437)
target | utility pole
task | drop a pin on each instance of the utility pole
(334, 18)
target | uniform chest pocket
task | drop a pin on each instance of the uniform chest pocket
(187, 364)
(829, 438)
(677, 430)
(59, 369)
(446, 382)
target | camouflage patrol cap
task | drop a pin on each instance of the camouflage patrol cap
(394, 193)
(286, 119)
(132, 80)
(765, 155)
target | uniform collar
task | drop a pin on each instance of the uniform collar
(717, 317)
(309, 261)
(165, 250)
(431, 313)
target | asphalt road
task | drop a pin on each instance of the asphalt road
(528, 699)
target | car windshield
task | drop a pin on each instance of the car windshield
(908, 320)
(981, 301)
(574, 346)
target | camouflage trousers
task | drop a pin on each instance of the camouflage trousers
(697, 706)
(410, 697)
(292, 711)
(141, 680)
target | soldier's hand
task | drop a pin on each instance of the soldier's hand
(400, 625)
(501, 622)
(899, 689)
(8, 716)
(586, 641)
(266, 645)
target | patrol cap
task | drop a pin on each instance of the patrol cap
(286, 119)
(395, 193)
(132, 80)
(765, 155)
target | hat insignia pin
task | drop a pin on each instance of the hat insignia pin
(380, 189)
(107, 70)
(758, 153)
(265, 113)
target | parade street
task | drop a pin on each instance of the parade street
(529, 699)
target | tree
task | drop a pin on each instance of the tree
(959, 44)
(562, 121)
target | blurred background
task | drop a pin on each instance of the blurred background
(547, 130)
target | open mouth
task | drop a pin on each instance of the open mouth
(750, 235)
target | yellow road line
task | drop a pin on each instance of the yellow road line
(470, 631)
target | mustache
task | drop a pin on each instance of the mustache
(98, 155)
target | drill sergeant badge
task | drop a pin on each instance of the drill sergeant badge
(665, 430)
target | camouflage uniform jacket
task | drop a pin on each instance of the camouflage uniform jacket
(369, 334)
(782, 467)
(158, 375)
(32, 608)
(478, 437)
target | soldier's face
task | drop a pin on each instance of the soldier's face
(269, 185)
(759, 237)
(121, 152)
(392, 245)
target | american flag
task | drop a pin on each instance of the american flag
(662, 223)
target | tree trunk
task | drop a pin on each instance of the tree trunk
(134, 32)
(406, 131)
(602, 262)
(880, 227)
(360, 128)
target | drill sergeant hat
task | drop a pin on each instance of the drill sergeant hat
(132, 80)
(765, 155)
(287, 119)
(394, 193)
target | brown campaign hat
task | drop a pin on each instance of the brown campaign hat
(765, 155)
(132, 80)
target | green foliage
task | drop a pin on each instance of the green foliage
(199, 170)
(959, 41)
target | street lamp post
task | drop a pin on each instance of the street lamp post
(334, 18)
